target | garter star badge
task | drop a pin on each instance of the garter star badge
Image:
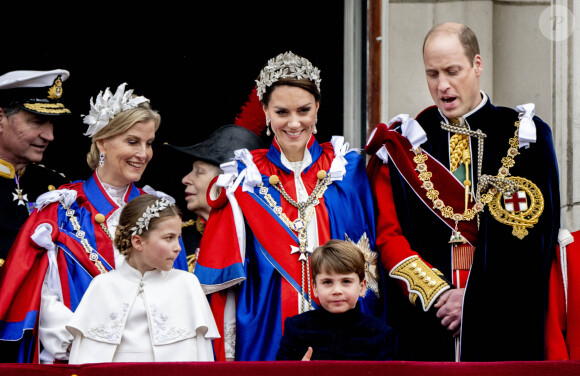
(521, 210)
(371, 262)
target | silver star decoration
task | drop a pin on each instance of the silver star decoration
(372, 262)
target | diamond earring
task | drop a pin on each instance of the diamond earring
(101, 159)
(268, 126)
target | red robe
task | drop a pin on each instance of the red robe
(563, 317)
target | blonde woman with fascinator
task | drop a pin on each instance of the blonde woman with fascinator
(275, 207)
(68, 239)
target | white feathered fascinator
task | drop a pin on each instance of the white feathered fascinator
(107, 106)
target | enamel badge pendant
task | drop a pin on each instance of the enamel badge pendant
(521, 209)
(456, 237)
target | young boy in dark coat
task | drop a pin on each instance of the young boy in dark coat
(337, 330)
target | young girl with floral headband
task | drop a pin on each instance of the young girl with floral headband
(145, 310)
(68, 239)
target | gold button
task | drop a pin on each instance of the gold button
(321, 174)
(51, 187)
(99, 218)
(274, 179)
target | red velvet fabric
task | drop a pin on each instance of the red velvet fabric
(293, 368)
(563, 324)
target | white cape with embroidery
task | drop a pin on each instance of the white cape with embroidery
(128, 317)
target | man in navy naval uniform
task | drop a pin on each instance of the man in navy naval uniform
(29, 107)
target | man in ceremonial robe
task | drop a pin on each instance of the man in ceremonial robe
(467, 201)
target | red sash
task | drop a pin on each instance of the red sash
(451, 191)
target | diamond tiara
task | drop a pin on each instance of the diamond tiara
(286, 65)
(151, 212)
(107, 106)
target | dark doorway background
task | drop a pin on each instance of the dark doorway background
(197, 66)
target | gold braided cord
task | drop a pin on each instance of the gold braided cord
(106, 230)
(191, 259)
(305, 212)
(458, 143)
(47, 108)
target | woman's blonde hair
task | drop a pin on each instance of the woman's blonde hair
(119, 124)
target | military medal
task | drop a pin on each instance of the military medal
(22, 198)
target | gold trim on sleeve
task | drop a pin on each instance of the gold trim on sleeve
(423, 282)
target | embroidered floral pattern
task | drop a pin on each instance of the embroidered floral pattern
(162, 333)
(111, 331)
(230, 341)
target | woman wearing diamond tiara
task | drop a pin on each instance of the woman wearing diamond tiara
(276, 205)
(144, 311)
(68, 239)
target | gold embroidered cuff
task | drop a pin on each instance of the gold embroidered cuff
(423, 282)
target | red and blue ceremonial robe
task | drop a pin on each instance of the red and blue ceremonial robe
(505, 296)
(248, 247)
(22, 276)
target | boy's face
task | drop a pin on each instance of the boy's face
(339, 293)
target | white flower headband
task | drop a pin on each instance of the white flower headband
(151, 212)
(287, 65)
(107, 106)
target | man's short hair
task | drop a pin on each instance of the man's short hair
(466, 36)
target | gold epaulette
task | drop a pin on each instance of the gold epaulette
(423, 282)
(191, 259)
(191, 222)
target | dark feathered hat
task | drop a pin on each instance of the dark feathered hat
(219, 147)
